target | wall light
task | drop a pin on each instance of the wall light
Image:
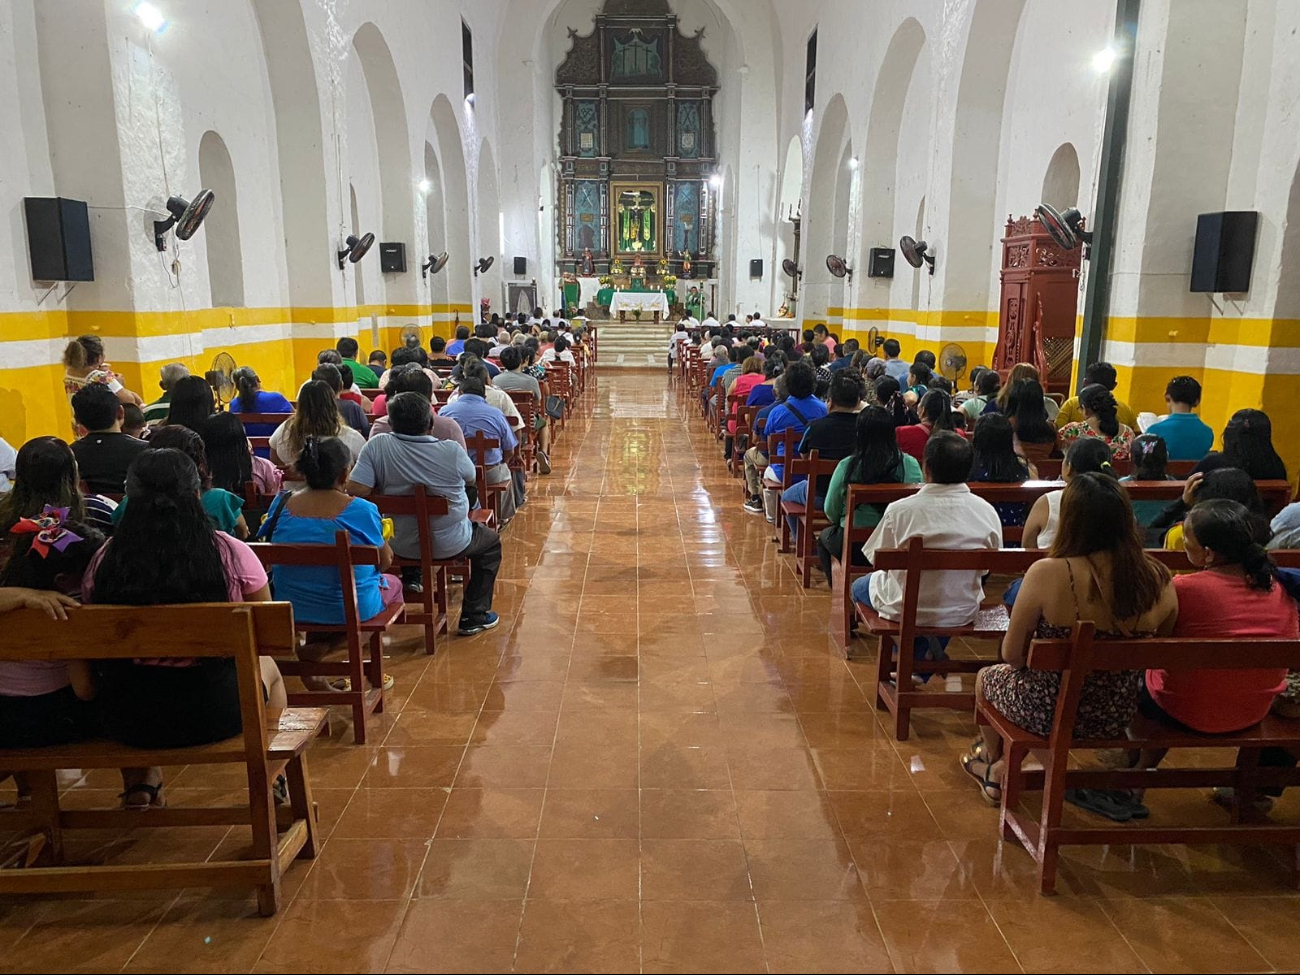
(715, 181)
(150, 16)
(1104, 60)
(853, 162)
(469, 99)
(425, 186)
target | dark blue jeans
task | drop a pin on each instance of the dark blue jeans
(923, 647)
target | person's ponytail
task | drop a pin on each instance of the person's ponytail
(1227, 528)
(1259, 568)
(1102, 404)
(246, 380)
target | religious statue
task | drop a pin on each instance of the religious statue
(637, 226)
(686, 264)
(638, 273)
(588, 265)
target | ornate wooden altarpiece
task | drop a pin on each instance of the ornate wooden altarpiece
(1036, 310)
(637, 145)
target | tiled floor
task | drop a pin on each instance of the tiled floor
(659, 763)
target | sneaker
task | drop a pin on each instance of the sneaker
(754, 505)
(471, 626)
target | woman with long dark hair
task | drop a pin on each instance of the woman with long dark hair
(876, 459)
(1020, 371)
(224, 508)
(192, 402)
(1035, 436)
(318, 416)
(251, 398)
(165, 552)
(45, 473)
(935, 411)
(1248, 444)
(231, 460)
(1096, 570)
(1100, 420)
(997, 462)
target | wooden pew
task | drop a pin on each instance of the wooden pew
(811, 517)
(1051, 469)
(342, 556)
(527, 405)
(271, 743)
(1043, 835)
(489, 495)
(421, 505)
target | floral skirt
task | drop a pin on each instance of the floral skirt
(1027, 698)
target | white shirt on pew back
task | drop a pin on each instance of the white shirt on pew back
(946, 516)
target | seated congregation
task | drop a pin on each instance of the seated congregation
(921, 504)
(364, 496)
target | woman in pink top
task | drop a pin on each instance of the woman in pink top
(751, 374)
(1236, 595)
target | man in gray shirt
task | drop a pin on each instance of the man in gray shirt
(393, 463)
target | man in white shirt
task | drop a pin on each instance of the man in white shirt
(710, 321)
(945, 514)
(675, 343)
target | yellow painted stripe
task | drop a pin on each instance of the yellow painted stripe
(1264, 332)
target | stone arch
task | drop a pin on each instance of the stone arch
(358, 275)
(880, 162)
(446, 138)
(1287, 304)
(435, 224)
(966, 256)
(488, 212)
(828, 209)
(1061, 180)
(547, 285)
(727, 239)
(792, 175)
(918, 233)
(221, 238)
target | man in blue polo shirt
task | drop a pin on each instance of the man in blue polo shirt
(894, 366)
(848, 350)
(475, 414)
(1186, 437)
(800, 408)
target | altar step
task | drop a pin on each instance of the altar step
(627, 345)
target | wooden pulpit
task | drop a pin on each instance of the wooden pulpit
(1036, 310)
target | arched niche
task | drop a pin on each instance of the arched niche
(966, 257)
(435, 224)
(488, 203)
(444, 130)
(827, 207)
(221, 226)
(1061, 181)
(881, 165)
(391, 140)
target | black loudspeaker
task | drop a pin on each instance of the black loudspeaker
(881, 264)
(58, 238)
(1225, 251)
(756, 268)
(521, 265)
(392, 256)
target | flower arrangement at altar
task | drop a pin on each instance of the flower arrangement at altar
(605, 280)
(670, 281)
(663, 266)
(617, 266)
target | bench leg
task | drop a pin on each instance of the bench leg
(301, 803)
(884, 661)
(1012, 758)
(377, 668)
(1048, 858)
(261, 808)
(44, 785)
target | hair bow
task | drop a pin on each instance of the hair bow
(49, 531)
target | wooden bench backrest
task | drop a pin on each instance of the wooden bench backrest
(235, 630)
(1051, 468)
(274, 419)
(341, 556)
(421, 505)
(811, 466)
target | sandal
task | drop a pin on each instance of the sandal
(1116, 805)
(345, 683)
(988, 785)
(151, 793)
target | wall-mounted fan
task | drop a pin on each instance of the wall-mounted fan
(483, 264)
(354, 248)
(874, 339)
(435, 264)
(952, 362)
(220, 378)
(185, 216)
(837, 267)
(916, 252)
(411, 336)
(791, 268)
(1065, 226)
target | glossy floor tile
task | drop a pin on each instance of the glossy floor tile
(659, 762)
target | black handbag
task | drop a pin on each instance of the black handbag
(555, 407)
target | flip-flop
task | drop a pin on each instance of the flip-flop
(1117, 806)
